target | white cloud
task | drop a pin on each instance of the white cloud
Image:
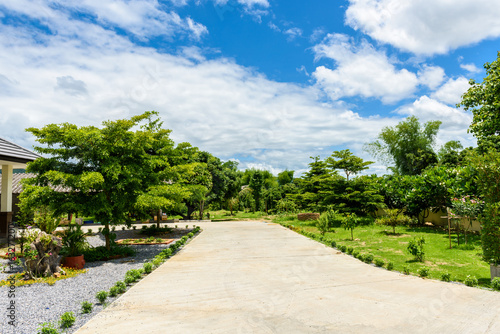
(451, 92)
(426, 26)
(293, 33)
(431, 76)
(252, 3)
(361, 70)
(198, 29)
(471, 68)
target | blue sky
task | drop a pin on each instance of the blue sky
(268, 83)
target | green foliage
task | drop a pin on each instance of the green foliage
(416, 248)
(122, 287)
(379, 262)
(347, 162)
(67, 320)
(101, 296)
(393, 218)
(390, 265)
(286, 205)
(100, 253)
(423, 272)
(446, 277)
(350, 250)
(343, 248)
(129, 279)
(114, 291)
(495, 283)
(368, 258)
(350, 222)
(86, 307)
(408, 145)
(45, 220)
(74, 240)
(148, 267)
(326, 221)
(355, 253)
(406, 270)
(483, 99)
(471, 281)
(47, 328)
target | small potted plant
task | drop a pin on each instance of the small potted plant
(74, 244)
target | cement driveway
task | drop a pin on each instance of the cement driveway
(253, 277)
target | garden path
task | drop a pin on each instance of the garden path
(254, 277)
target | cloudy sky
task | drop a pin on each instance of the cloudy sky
(269, 83)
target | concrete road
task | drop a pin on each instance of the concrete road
(253, 277)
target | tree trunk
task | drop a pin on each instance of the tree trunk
(46, 262)
(106, 231)
(158, 218)
(202, 207)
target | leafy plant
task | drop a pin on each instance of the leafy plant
(416, 248)
(379, 262)
(343, 248)
(393, 218)
(67, 320)
(446, 277)
(423, 272)
(355, 253)
(157, 262)
(350, 222)
(333, 243)
(495, 283)
(89, 231)
(158, 240)
(390, 265)
(406, 270)
(47, 328)
(129, 279)
(122, 287)
(350, 250)
(86, 307)
(74, 240)
(101, 296)
(368, 258)
(148, 267)
(471, 281)
(114, 291)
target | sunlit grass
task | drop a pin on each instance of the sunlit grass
(20, 281)
(225, 215)
(383, 244)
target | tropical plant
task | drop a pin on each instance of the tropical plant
(47, 328)
(67, 320)
(416, 248)
(86, 307)
(101, 296)
(74, 240)
(350, 222)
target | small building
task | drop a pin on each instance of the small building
(12, 156)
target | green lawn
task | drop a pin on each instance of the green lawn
(383, 244)
(225, 215)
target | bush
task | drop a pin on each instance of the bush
(423, 272)
(67, 320)
(101, 296)
(355, 253)
(86, 307)
(129, 279)
(368, 258)
(114, 291)
(390, 265)
(190, 234)
(406, 270)
(333, 243)
(379, 262)
(445, 277)
(495, 283)
(350, 250)
(100, 253)
(148, 267)
(393, 218)
(343, 248)
(122, 287)
(157, 262)
(416, 248)
(471, 281)
(47, 328)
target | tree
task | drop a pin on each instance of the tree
(285, 177)
(257, 184)
(483, 99)
(449, 153)
(407, 145)
(348, 162)
(104, 170)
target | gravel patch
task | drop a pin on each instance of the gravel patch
(39, 303)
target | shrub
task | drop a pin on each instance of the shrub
(67, 320)
(393, 218)
(379, 262)
(390, 265)
(114, 291)
(157, 262)
(101, 296)
(355, 254)
(158, 240)
(406, 270)
(148, 267)
(446, 277)
(471, 280)
(184, 239)
(190, 234)
(89, 231)
(86, 307)
(134, 227)
(333, 243)
(123, 228)
(495, 283)
(129, 279)
(47, 328)
(122, 287)
(416, 248)
(99, 230)
(423, 272)
(350, 222)
(350, 250)
(343, 248)
(368, 258)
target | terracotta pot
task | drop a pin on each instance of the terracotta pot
(77, 262)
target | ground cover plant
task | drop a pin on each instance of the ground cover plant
(381, 243)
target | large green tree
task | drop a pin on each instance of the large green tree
(103, 170)
(483, 99)
(347, 162)
(407, 145)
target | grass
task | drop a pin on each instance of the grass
(379, 241)
(224, 215)
(20, 281)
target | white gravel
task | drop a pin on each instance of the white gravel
(39, 303)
